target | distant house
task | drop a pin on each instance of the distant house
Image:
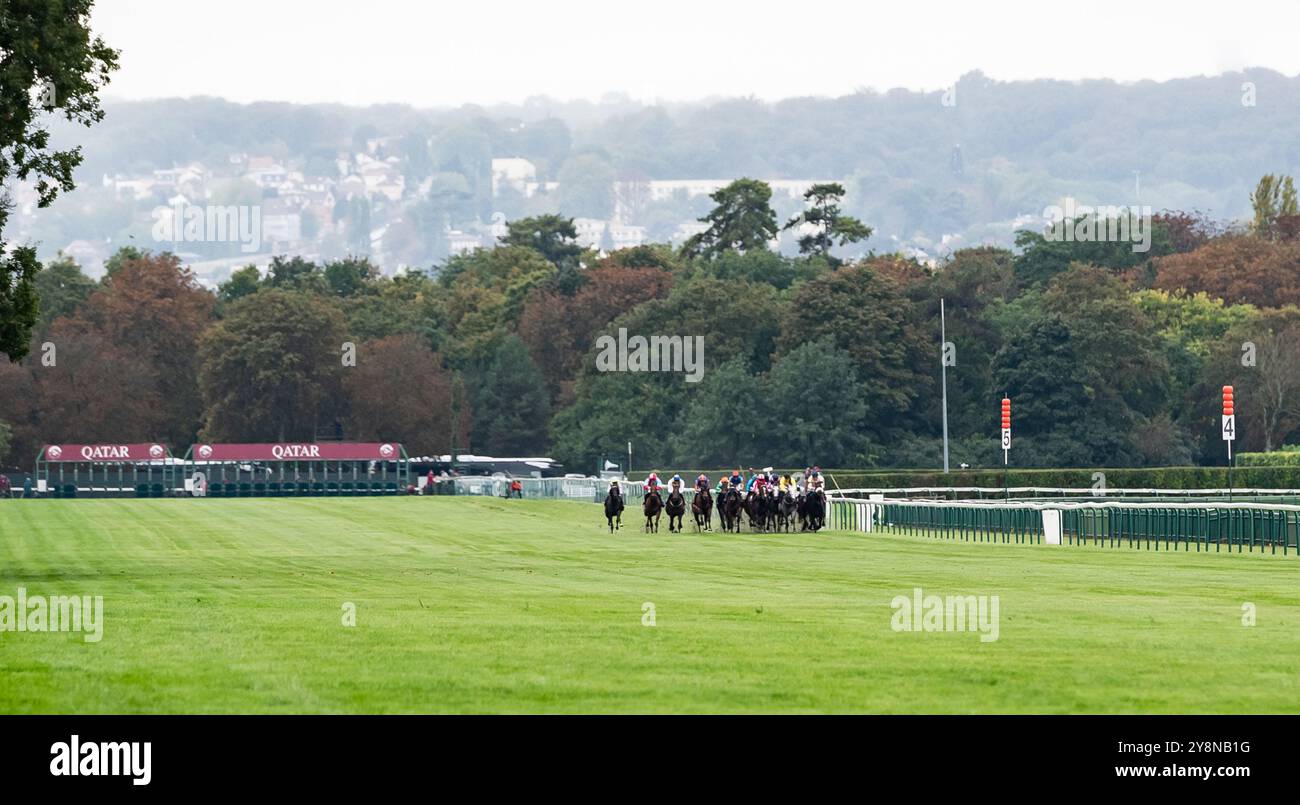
(459, 242)
(625, 236)
(381, 177)
(265, 172)
(590, 231)
(130, 187)
(281, 222)
(513, 172)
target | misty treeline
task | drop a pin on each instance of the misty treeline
(1111, 357)
(963, 162)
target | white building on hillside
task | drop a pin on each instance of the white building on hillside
(512, 172)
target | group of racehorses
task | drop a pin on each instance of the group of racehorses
(766, 509)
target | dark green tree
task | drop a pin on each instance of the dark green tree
(62, 288)
(553, 236)
(242, 282)
(49, 63)
(271, 370)
(511, 405)
(719, 428)
(833, 228)
(742, 221)
(350, 276)
(807, 431)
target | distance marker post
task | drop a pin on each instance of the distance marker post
(1229, 430)
(1006, 444)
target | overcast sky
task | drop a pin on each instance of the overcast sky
(434, 53)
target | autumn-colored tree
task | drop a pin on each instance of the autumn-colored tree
(1260, 358)
(559, 330)
(154, 309)
(95, 391)
(399, 391)
(1237, 269)
(272, 369)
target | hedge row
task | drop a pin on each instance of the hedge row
(1286, 457)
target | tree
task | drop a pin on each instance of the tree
(155, 310)
(400, 392)
(1237, 269)
(718, 429)
(559, 330)
(865, 315)
(831, 227)
(242, 282)
(296, 274)
(1274, 198)
(61, 288)
(553, 236)
(49, 62)
(97, 391)
(587, 186)
(511, 404)
(272, 369)
(742, 221)
(1268, 388)
(349, 276)
(817, 433)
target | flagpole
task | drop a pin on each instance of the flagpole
(943, 365)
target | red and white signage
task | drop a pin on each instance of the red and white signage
(298, 451)
(106, 452)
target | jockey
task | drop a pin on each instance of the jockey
(652, 483)
(738, 479)
(816, 480)
(785, 483)
(723, 486)
(758, 483)
(702, 483)
(677, 483)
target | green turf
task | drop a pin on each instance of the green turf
(484, 605)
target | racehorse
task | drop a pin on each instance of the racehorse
(652, 507)
(770, 502)
(702, 509)
(676, 509)
(729, 509)
(785, 510)
(812, 511)
(614, 511)
(756, 508)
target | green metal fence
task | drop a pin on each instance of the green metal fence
(1209, 526)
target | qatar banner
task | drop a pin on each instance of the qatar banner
(106, 452)
(329, 451)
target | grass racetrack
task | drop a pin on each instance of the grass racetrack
(485, 605)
